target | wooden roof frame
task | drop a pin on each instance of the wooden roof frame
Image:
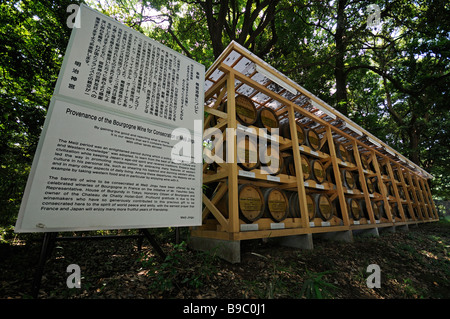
(311, 106)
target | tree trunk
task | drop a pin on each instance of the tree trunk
(339, 72)
(414, 138)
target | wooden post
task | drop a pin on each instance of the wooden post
(413, 190)
(405, 190)
(394, 186)
(362, 180)
(233, 200)
(422, 201)
(298, 168)
(427, 201)
(337, 176)
(387, 208)
(427, 187)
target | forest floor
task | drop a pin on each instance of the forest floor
(414, 264)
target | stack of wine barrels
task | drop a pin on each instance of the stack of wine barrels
(341, 152)
(276, 204)
(318, 172)
(294, 208)
(285, 131)
(250, 203)
(246, 113)
(354, 208)
(267, 119)
(247, 154)
(272, 161)
(348, 179)
(306, 136)
(378, 209)
(319, 205)
(324, 206)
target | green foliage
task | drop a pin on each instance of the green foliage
(315, 287)
(393, 81)
(34, 36)
(180, 268)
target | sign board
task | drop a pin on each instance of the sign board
(105, 155)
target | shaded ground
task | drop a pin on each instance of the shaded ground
(414, 264)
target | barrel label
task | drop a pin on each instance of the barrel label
(273, 178)
(277, 205)
(245, 110)
(246, 174)
(249, 227)
(300, 137)
(269, 122)
(313, 140)
(250, 204)
(277, 226)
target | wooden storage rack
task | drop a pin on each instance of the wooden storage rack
(239, 72)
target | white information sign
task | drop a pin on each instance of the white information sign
(104, 159)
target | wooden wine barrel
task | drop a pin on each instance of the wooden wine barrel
(276, 204)
(247, 154)
(313, 139)
(396, 175)
(354, 208)
(390, 189)
(285, 131)
(401, 193)
(411, 197)
(288, 164)
(405, 177)
(407, 212)
(272, 162)
(384, 170)
(294, 208)
(324, 207)
(370, 185)
(395, 212)
(348, 179)
(330, 175)
(317, 171)
(375, 184)
(378, 209)
(364, 161)
(251, 203)
(341, 152)
(306, 169)
(267, 118)
(365, 212)
(246, 113)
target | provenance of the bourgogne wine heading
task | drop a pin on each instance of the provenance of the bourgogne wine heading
(104, 158)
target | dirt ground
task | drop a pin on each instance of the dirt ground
(414, 264)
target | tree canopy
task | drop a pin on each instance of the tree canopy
(392, 78)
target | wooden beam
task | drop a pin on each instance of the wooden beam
(233, 200)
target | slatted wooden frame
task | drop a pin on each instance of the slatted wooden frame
(412, 179)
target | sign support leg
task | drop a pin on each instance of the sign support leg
(48, 244)
(153, 242)
(46, 249)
